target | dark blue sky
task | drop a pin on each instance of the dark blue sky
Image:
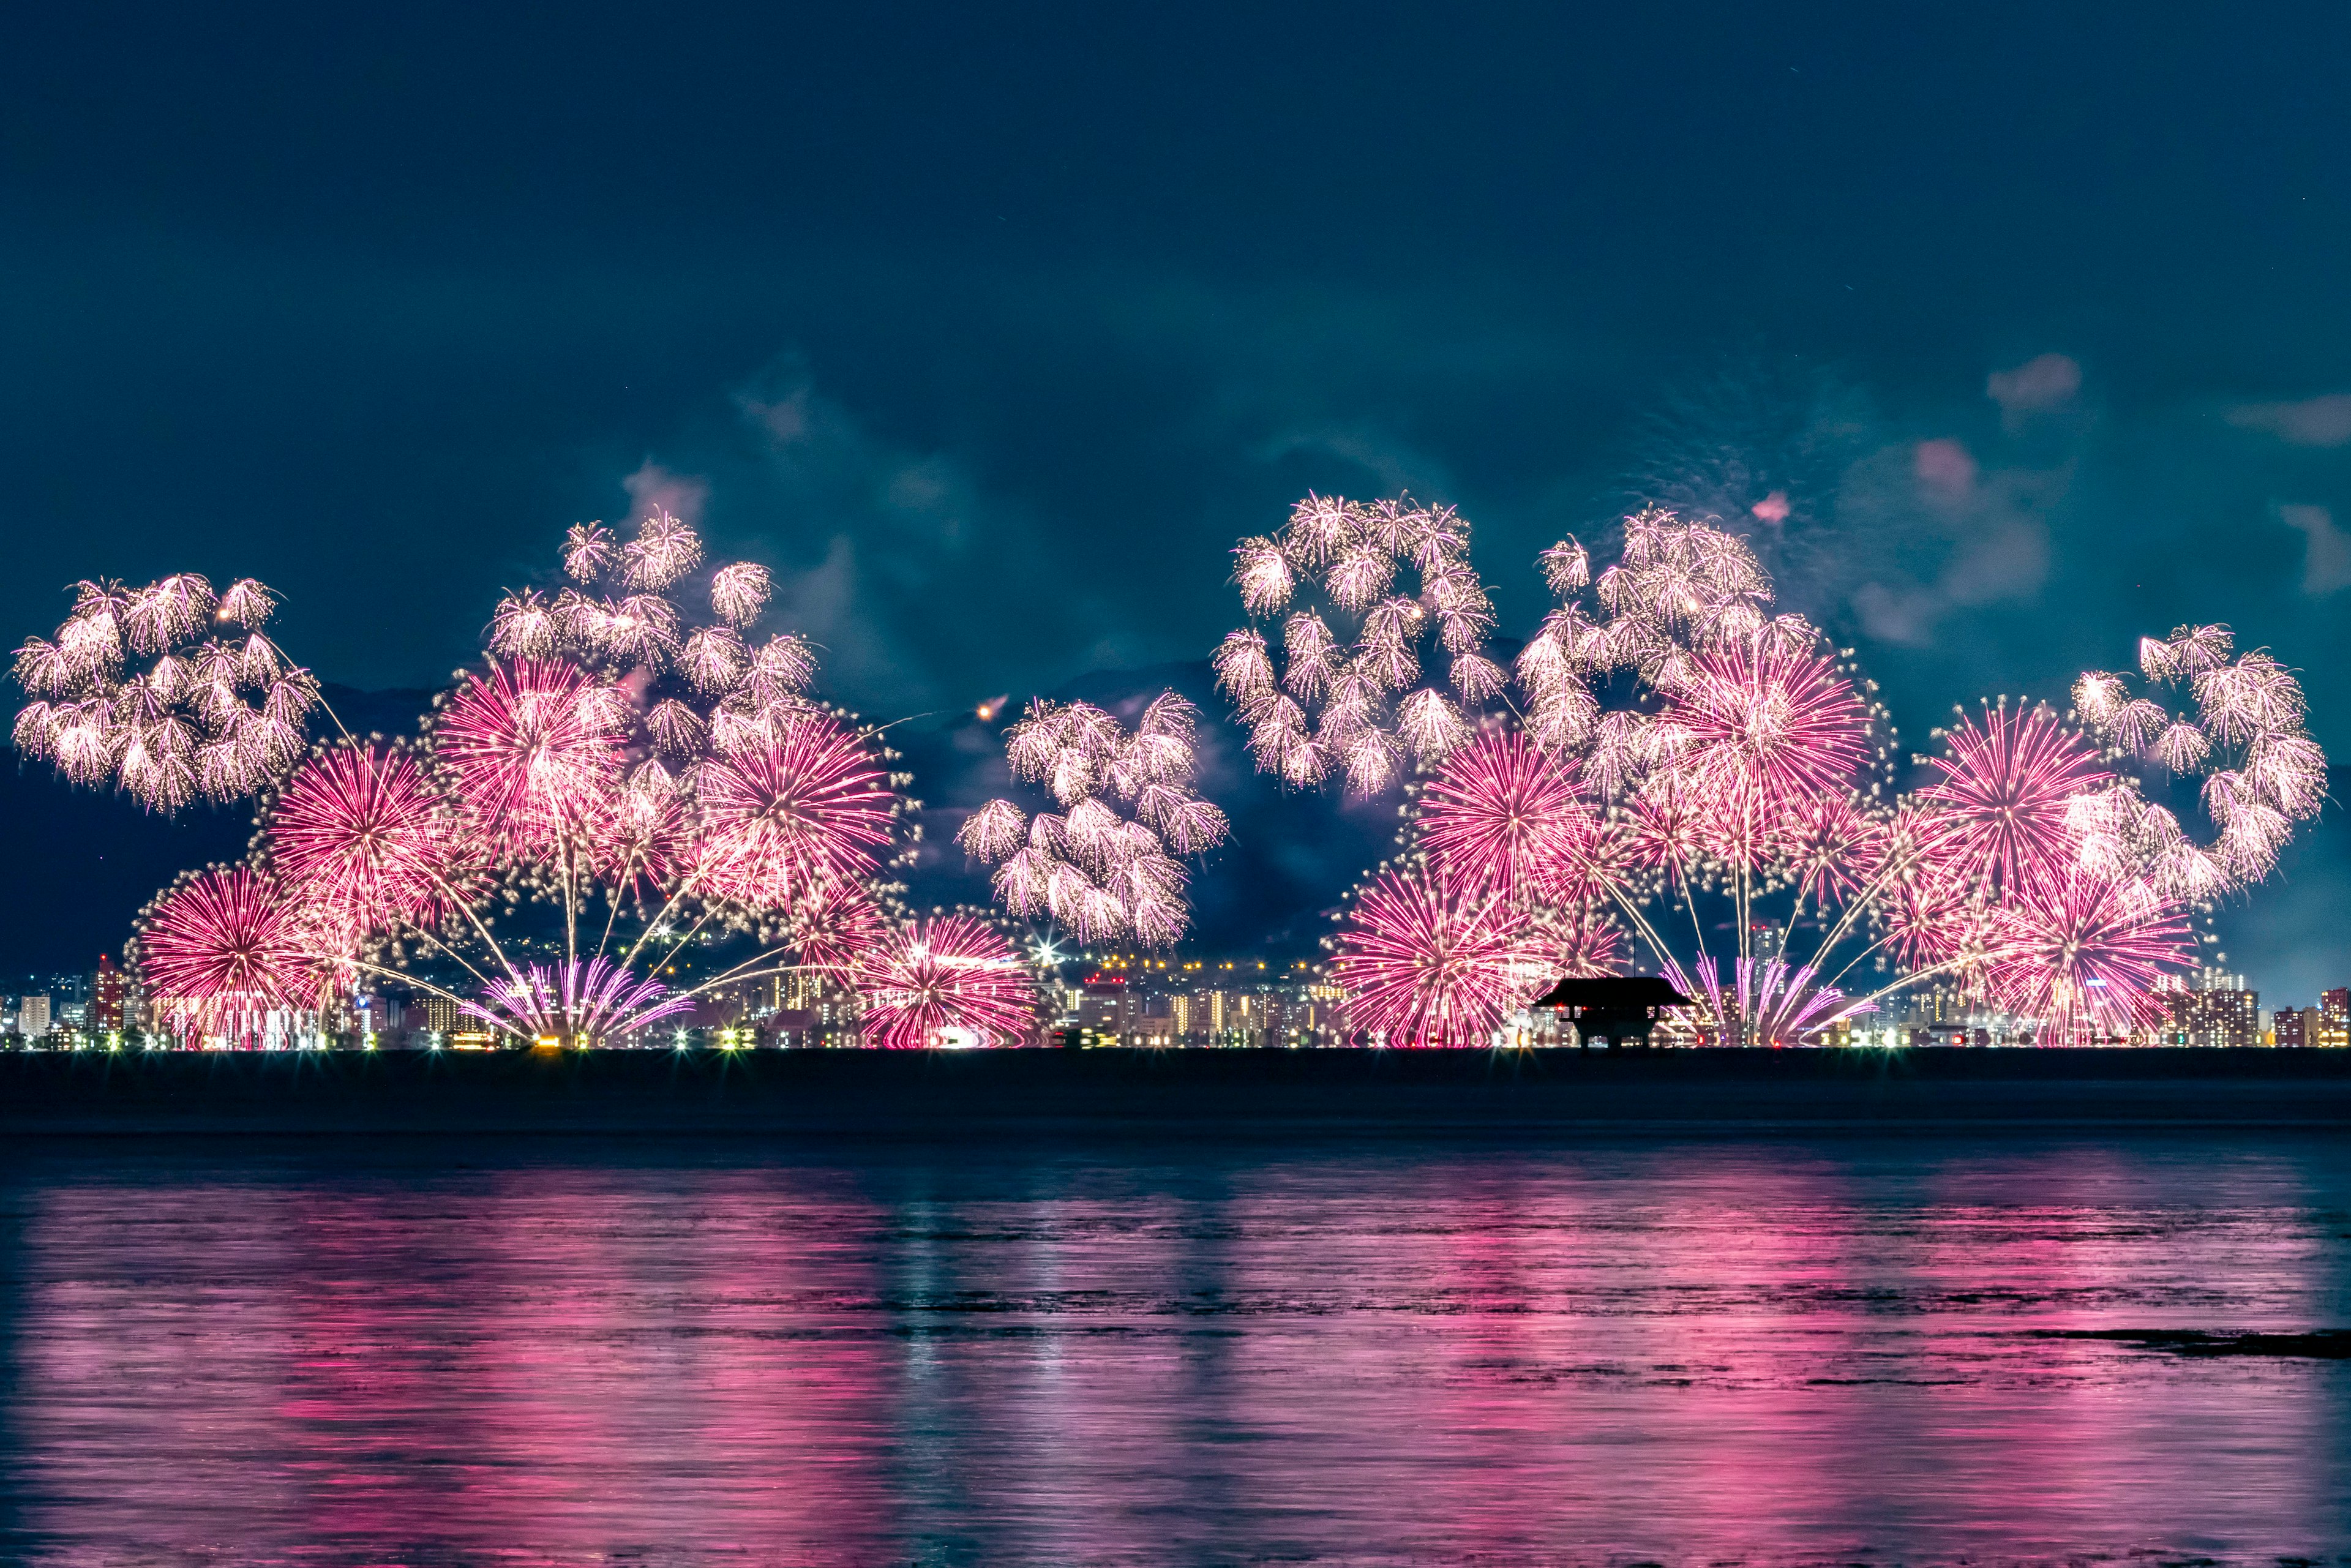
(991, 327)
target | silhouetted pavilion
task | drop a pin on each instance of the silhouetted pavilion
(1619, 1008)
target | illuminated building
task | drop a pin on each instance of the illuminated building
(2214, 1008)
(2333, 1018)
(106, 996)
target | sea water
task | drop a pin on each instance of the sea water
(1205, 1350)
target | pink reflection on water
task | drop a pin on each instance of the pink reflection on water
(1404, 1353)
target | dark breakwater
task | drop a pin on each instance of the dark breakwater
(931, 1094)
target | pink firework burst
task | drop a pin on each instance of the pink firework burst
(947, 976)
(536, 748)
(804, 806)
(1579, 938)
(643, 833)
(1423, 966)
(1759, 729)
(839, 929)
(1830, 847)
(1503, 816)
(361, 838)
(222, 948)
(1998, 813)
(2083, 954)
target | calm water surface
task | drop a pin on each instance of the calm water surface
(540, 1351)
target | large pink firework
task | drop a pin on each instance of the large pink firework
(361, 838)
(1424, 965)
(1501, 816)
(947, 975)
(1761, 731)
(2001, 809)
(2081, 954)
(224, 948)
(536, 749)
(806, 809)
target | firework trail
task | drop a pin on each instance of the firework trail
(1350, 705)
(171, 692)
(951, 974)
(589, 1000)
(1764, 1001)
(1106, 866)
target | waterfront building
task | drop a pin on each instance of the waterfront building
(107, 988)
(1105, 1005)
(2333, 1018)
(2213, 1009)
(2293, 1027)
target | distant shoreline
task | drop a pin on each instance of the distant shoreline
(953, 1094)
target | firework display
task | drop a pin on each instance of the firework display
(628, 778)
(1684, 760)
(1350, 701)
(632, 804)
(1428, 962)
(171, 691)
(952, 979)
(1106, 865)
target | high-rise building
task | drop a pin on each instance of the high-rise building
(33, 1017)
(440, 1015)
(1105, 1005)
(2296, 1027)
(2333, 1018)
(2215, 1011)
(106, 995)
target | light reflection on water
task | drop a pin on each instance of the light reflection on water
(558, 1350)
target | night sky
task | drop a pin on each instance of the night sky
(991, 328)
